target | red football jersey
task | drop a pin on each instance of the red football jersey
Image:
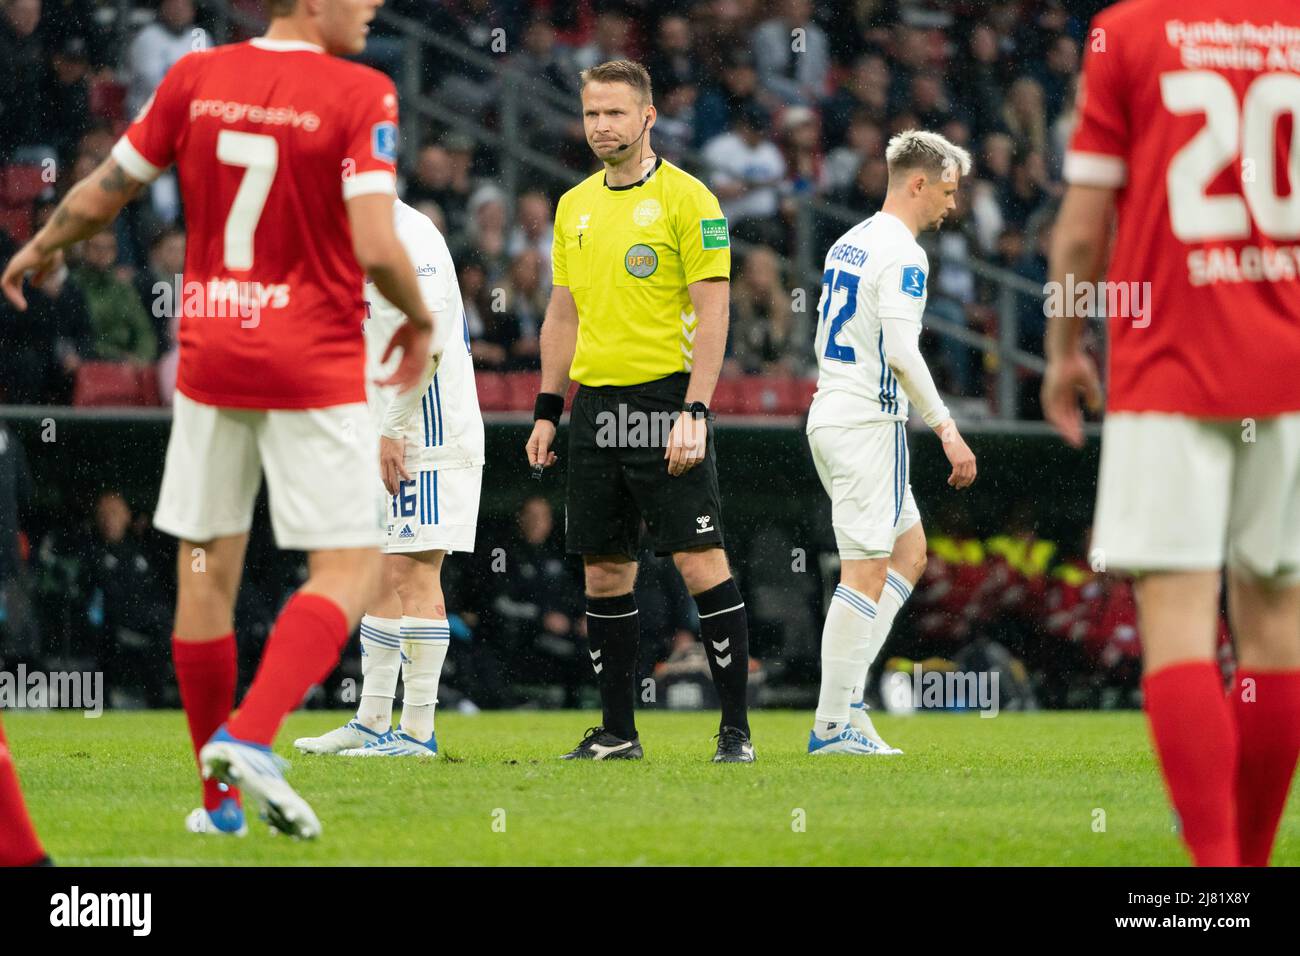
(1188, 108)
(269, 139)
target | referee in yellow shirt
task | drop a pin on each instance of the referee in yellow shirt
(638, 317)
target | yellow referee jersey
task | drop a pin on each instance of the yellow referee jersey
(627, 253)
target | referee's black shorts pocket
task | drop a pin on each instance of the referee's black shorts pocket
(681, 512)
(600, 513)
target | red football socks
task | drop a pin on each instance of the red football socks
(1267, 709)
(206, 673)
(1196, 742)
(18, 843)
(303, 648)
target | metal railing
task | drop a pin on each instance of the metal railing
(520, 163)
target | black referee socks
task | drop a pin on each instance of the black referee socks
(613, 628)
(725, 634)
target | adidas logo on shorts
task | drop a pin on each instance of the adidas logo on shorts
(406, 532)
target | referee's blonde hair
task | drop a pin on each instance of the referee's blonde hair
(620, 71)
(931, 153)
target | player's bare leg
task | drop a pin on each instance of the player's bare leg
(207, 582)
(724, 632)
(1191, 723)
(613, 632)
(303, 648)
(389, 603)
(418, 580)
(206, 658)
(609, 575)
(865, 575)
(906, 565)
(1265, 699)
(702, 568)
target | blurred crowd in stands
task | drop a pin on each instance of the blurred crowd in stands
(771, 102)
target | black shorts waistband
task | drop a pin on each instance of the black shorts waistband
(678, 381)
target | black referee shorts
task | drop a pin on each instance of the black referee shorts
(618, 474)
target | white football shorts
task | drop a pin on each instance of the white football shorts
(1179, 494)
(864, 470)
(320, 466)
(437, 510)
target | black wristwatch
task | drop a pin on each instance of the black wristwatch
(697, 410)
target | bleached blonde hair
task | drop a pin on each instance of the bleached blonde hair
(931, 153)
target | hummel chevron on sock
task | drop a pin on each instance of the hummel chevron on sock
(381, 641)
(1267, 711)
(19, 845)
(303, 648)
(845, 637)
(895, 594)
(724, 631)
(425, 642)
(206, 672)
(1197, 745)
(613, 630)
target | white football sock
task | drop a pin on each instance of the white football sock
(845, 637)
(892, 599)
(424, 643)
(381, 641)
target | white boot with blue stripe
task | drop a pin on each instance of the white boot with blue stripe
(860, 720)
(843, 739)
(259, 773)
(396, 743)
(424, 650)
(845, 638)
(339, 741)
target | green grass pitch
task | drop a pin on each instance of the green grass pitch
(1036, 789)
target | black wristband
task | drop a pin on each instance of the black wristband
(548, 406)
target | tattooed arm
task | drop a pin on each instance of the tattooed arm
(88, 207)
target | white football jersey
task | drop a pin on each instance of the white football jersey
(445, 428)
(873, 271)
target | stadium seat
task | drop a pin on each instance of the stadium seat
(726, 396)
(764, 395)
(17, 222)
(804, 389)
(20, 184)
(147, 385)
(523, 390)
(115, 384)
(493, 391)
(108, 100)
